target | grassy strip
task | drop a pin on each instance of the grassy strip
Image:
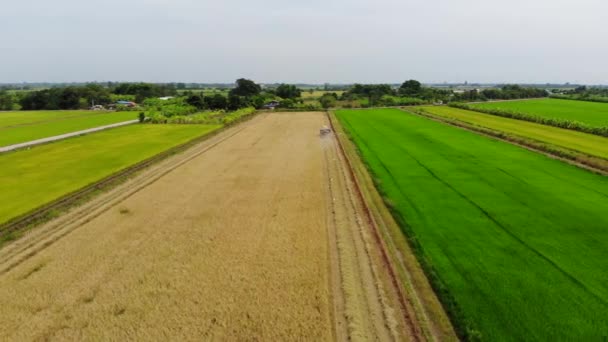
(511, 240)
(20, 134)
(591, 151)
(433, 319)
(555, 122)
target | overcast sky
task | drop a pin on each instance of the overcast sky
(314, 41)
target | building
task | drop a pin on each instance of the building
(272, 105)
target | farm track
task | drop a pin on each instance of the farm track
(255, 233)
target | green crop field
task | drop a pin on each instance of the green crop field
(518, 240)
(14, 118)
(31, 178)
(18, 127)
(591, 113)
(583, 142)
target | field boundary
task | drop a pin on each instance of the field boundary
(576, 158)
(11, 229)
(415, 290)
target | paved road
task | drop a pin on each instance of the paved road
(63, 136)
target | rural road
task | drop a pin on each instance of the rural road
(254, 234)
(64, 136)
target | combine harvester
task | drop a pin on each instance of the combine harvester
(324, 131)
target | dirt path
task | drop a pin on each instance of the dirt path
(254, 234)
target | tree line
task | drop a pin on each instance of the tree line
(247, 93)
(82, 97)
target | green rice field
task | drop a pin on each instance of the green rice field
(516, 240)
(19, 127)
(594, 114)
(34, 177)
(583, 142)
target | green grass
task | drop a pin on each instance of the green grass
(519, 240)
(34, 177)
(18, 127)
(587, 143)
(28, 117)
(591, 113)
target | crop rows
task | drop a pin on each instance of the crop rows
(511, 240)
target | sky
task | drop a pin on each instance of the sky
(310, 41)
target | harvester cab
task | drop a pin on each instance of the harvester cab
(325, 131)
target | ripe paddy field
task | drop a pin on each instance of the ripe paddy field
(514, 242)
(255, 233)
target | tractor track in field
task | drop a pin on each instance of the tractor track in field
(276, 234)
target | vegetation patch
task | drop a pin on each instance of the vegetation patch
(581, 116)
(511, 240)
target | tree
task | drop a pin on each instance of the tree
(328, 100)
(196, 100)
(235, 102)
(258, 101)
(410, 88)
(6, 100)
(217, 101)
(288, 91)
(287, 103)
(246, 87)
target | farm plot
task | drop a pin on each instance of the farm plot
(586, 143)
(31, 178)
(19, 127)
(15, 118)
(593, 114)
(517, 241)
(253, 234)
